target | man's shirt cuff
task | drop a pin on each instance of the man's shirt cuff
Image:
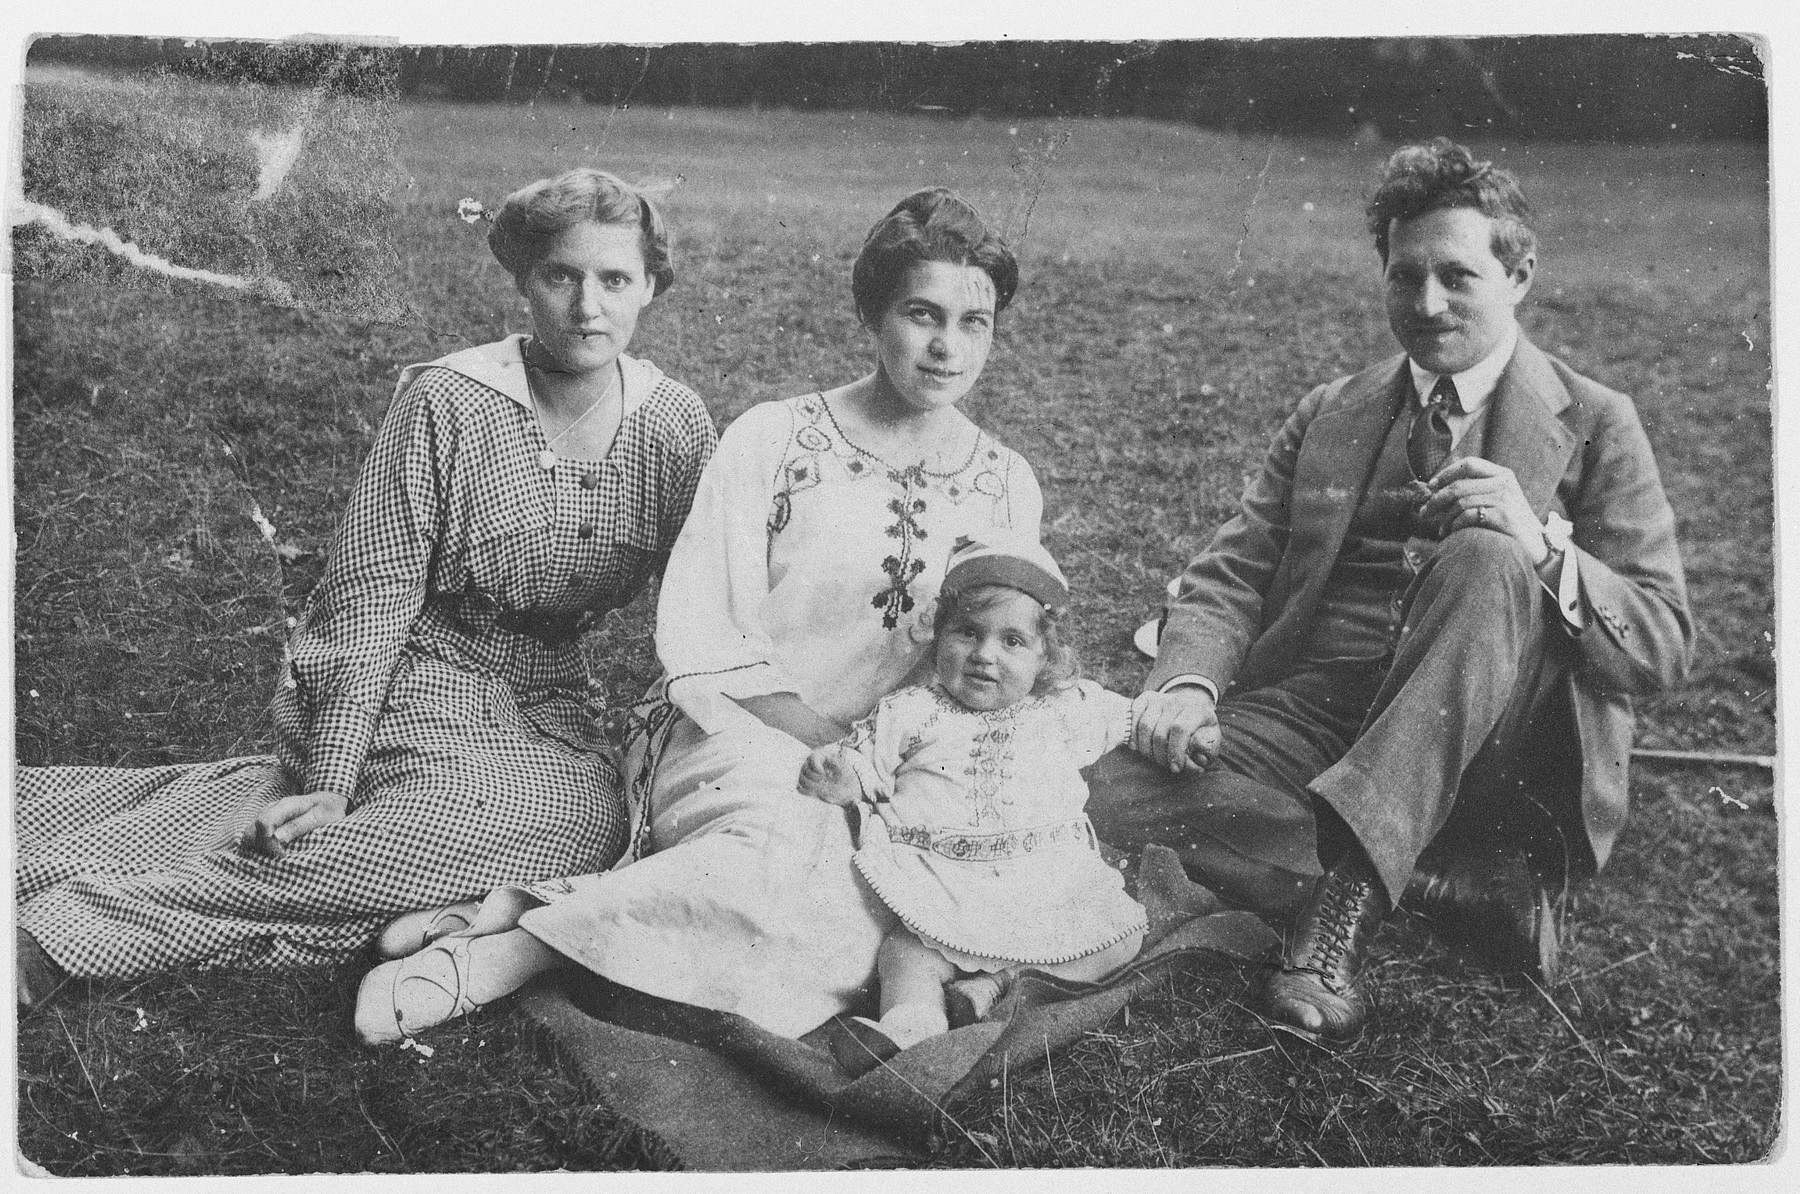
(1560, 574)
(1561, 578)
(1197, 681)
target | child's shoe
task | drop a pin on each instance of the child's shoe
(869, 1043)
(969, 1000)
(862, 1046)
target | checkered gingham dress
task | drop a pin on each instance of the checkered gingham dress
(437, 679)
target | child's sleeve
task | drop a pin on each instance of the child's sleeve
(1097, 720)
(874, 743)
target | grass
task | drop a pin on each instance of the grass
(1181, 288)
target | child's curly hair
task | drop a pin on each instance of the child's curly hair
(1062, 666)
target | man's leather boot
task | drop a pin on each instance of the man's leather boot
(1495, 904)
(1317, 987)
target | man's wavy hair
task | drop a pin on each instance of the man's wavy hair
(1439, 174)
(935, 224)
(1062, 666)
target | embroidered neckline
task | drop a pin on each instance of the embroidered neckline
(942, 695)
(974, 449)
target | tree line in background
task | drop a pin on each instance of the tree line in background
(1638, 88)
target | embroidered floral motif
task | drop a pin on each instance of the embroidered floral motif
(916, 740)
(994, 847)
(862, 734)
(780, 510)
(801, 473)
(990, 766)
(820, 453)
(903, 567)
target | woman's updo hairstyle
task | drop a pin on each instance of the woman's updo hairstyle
(934, 224)
(534, 215)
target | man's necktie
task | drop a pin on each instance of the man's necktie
(1428, 442)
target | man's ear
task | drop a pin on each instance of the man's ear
(1522, 275)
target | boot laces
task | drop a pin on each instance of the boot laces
(1336, 928)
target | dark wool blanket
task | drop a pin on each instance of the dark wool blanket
(726, 1095)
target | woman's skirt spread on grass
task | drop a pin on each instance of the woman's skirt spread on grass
(123, 872)
(747, 904)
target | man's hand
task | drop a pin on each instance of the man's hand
(1177, 730)
(829, 775)
(291, 818)
(1472, 492)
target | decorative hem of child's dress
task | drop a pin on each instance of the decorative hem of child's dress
(991, 901)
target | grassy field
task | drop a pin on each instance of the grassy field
(1181, 289)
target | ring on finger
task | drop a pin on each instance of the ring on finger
(1480, 514)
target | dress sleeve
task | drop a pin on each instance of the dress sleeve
(1096, 720)
(342, 656)
(1025, 500)
(874, 744)
(711, 635)
(693, 441)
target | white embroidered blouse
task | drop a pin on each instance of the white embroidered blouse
(811, 566)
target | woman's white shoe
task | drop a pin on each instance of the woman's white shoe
(412, 932)
(402, 998)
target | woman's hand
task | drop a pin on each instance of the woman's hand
(828, 775)
(291, 818)
(786, 712)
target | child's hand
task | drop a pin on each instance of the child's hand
(1202, 747)
(828, 775)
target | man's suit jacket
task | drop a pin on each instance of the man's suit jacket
(1576, 447)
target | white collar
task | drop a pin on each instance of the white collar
(1474, 385)
(500, 366)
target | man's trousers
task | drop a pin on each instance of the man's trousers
(1458, 741)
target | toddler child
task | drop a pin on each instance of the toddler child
(973, 831)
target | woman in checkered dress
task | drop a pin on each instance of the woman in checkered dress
(798, 595)
(435, 731)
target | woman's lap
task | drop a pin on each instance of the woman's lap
(750, 903)
(450, 807)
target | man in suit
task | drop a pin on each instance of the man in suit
(1410, 656)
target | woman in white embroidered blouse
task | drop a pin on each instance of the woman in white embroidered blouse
(799, 593)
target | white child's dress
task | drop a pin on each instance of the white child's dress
(980, 842)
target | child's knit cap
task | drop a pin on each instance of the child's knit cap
(999, 558)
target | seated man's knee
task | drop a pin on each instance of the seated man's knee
(1487, 557)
